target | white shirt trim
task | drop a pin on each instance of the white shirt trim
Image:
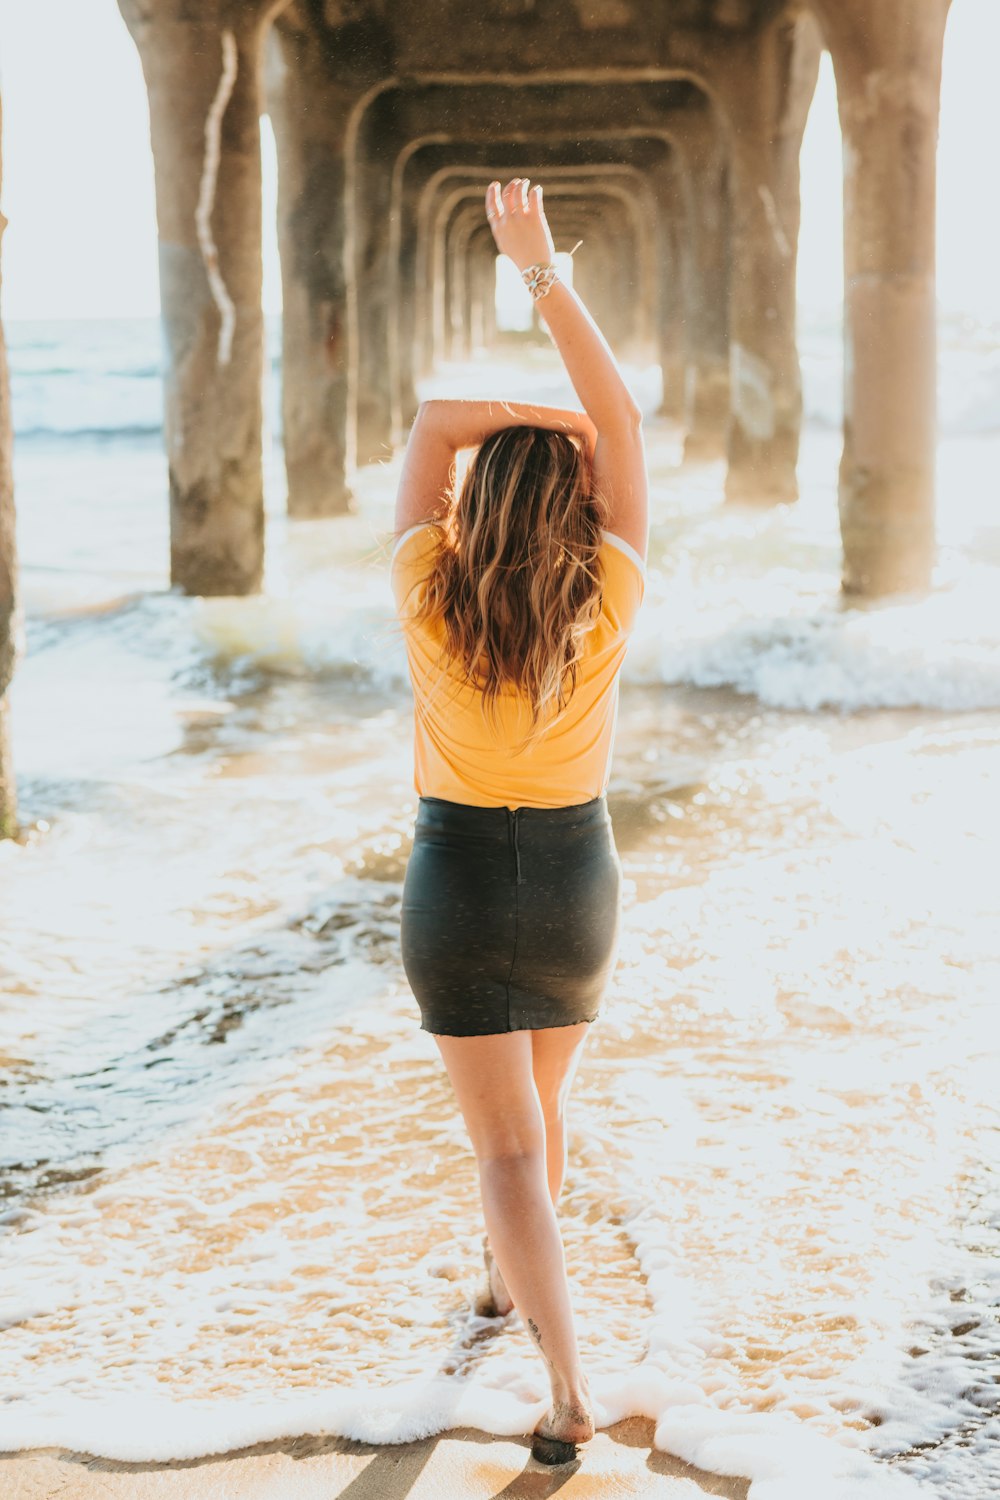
(627, 548)
(405, 538)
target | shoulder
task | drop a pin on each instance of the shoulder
(414, 541)
(615, 547)
(410, 559)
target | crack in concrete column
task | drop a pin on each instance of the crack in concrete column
(206, 197)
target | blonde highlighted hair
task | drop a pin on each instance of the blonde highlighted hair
(515, 579)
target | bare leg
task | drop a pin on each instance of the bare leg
(555, 1054)
(494, 1084)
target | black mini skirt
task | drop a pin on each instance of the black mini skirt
(511, 916)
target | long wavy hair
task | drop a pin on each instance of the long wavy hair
(515, 578)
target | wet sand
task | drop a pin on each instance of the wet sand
(463, 1464)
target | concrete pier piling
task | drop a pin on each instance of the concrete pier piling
(310, 110)
(887, 60)
(705, 269)
(766, 103)
(202, 71)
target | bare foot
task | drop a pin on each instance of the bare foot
(565, 1425)
(499, 1297)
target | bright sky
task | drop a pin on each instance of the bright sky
(78, 179)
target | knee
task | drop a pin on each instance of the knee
(512, 1155)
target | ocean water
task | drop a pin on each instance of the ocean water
(238, 1201)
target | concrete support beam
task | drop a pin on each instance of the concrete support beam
(631, 210)
(428, 291)
(570, 136)
(627, 272)
(617, 198)
(887, 60)
(767, 99)
(571, 219)
(468, 113)
(311, 109)
(202, 72)
(8, 576)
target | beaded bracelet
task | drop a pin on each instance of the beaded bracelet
(539, 279)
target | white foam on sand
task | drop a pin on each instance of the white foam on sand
(783, 1457)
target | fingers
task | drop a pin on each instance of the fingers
(515, 195)
(512, 200)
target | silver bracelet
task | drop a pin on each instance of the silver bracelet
(539, 279)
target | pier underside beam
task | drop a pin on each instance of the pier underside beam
(447, 155)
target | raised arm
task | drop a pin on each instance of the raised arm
(443, 428)
(521, 231)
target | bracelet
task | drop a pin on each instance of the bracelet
(539, 279)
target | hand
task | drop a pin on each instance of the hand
(518, 222)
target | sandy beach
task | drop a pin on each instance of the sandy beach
(463, 1464)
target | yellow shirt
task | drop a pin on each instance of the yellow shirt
(458, 753)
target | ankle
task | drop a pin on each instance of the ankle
(572, 1394)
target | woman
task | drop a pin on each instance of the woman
(516, 596)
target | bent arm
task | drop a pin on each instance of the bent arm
(619, 468)
(442, 428)
(521, 232)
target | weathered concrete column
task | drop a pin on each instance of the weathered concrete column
(629, 302)
(479, 285)
(489, 265)
(673, 274)
(311, 110)
(767, 98)
(408, 318)
(484, 281)
(578, 139)
(8, 576)
(597, 275)
(376, 144)
(887, 60)
(458, 330)
(706, 273)
(202, 72)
